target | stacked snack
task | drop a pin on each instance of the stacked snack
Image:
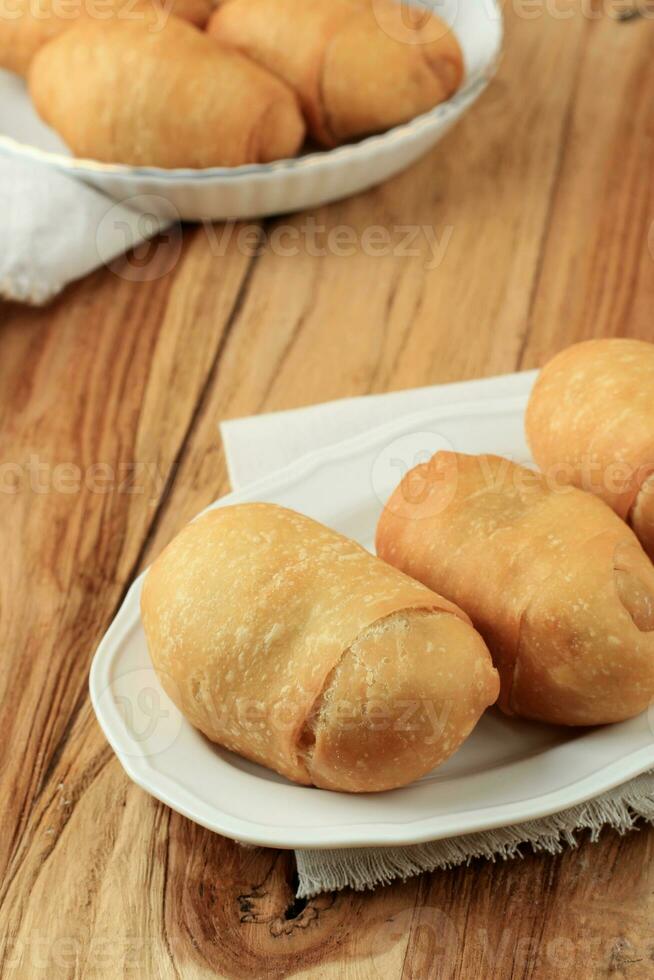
(145, 90)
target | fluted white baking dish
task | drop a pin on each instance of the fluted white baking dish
(286, 185)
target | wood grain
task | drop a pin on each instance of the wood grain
(537, 211)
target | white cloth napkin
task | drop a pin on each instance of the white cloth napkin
(55, 229)
(262, 444)
(257, 446)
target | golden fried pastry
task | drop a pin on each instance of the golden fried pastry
(351, 62)
(293, 646)
(26, 25)
(557, 585)
(590, 422)
(166, 98)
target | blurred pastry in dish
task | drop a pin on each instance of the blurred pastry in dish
(355, 64)
(118, 92)
(26, 25)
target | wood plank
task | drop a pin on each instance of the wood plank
(597, 276)
(86, 450)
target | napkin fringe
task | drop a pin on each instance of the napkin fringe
(367, 868)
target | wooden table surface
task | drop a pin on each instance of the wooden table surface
(534, 230)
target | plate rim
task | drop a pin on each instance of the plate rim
(360, 835)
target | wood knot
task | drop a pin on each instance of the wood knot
(283, 916)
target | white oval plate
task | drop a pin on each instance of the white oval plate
(308, 181)
(506, 773)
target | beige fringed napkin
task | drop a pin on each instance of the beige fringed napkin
(260, 445)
